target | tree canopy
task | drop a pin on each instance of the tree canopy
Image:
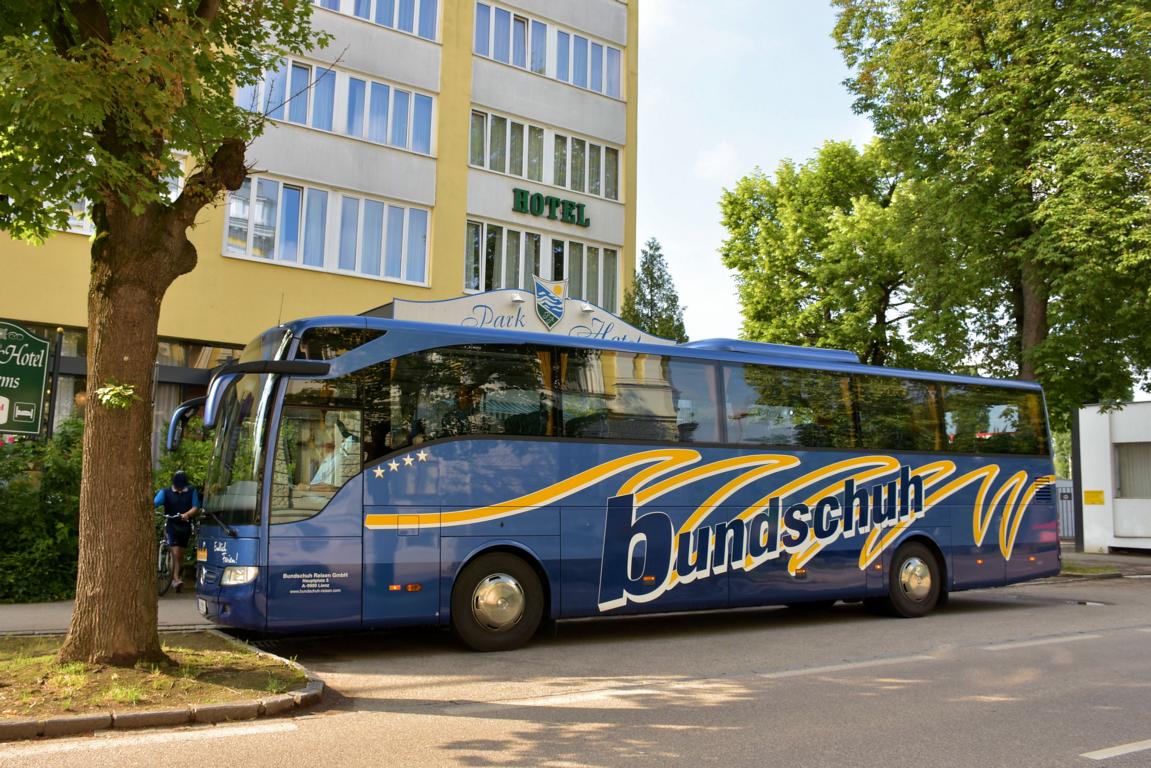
(651, 303)
(107, 102)
(825, 255)
(1025, 124)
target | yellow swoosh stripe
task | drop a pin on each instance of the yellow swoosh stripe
(672, 458)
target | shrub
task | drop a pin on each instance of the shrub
(39, 511)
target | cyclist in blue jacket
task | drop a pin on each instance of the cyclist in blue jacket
(181, 503)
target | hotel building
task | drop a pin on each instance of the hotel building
(434, 148)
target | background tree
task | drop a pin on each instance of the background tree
(96, 99)
(651, 303)
(825, 256)
(1026, 121)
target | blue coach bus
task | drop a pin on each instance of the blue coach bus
(378, 473)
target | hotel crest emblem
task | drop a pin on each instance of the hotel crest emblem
(550, 301)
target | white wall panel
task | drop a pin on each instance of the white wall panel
(335, 161)
(490, 197)
(375, 50)
(605, 19)
(541, 100)
(1132, 424)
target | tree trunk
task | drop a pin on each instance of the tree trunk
(134, 260)
(1033, 323)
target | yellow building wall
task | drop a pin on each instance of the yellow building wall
(631, 186)
(46, 283)
(449, 219)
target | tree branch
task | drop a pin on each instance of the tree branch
(92, 20)
(226, 170)
(59, 31)
(207, 10)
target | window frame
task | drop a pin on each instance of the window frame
(340, 120)
(332, 231)
(374, 14)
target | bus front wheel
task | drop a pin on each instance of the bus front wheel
(914, 583)
(497, 603)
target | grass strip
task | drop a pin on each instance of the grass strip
(206, 669)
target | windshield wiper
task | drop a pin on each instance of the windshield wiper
(227, 529)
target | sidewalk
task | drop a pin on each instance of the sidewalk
(176, 612)
(1132, 562)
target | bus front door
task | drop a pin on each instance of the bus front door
(314, 560)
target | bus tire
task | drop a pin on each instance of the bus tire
(497, 603)
(914, 583)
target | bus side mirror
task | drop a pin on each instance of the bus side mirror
(229, 374)
(180, 417)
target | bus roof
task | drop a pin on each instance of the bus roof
(716, 350)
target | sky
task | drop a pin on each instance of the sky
(725, 87)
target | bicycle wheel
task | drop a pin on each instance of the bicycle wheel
(163, 567)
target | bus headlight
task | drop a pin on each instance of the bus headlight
(239, 574)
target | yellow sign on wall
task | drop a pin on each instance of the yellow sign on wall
(1093, 497)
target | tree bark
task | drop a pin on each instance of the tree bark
(134, 260)
(1033, 322)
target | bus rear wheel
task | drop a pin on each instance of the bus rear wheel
(497, 603)
(915, 582)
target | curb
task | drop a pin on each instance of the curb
(269, 706)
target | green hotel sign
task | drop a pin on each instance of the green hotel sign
(553, 208)
(23, 376)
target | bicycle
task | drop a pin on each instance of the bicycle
(164, 555)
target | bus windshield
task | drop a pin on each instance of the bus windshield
(233, 482)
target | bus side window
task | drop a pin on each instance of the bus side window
(986, 419)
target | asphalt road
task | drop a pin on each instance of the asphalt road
(1055, 674)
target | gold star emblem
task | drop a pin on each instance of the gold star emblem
(378, 471)
(408, 460)
(394, 465)
(422, 455)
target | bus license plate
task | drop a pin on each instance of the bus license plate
(202, 606)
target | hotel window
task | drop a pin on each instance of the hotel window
(584, 166)
(511, 38)
(301, 93)
(388, 114)
(416, 17)
(332, 230)
(585, 63)
(500, 257)
(284, 222)
(507, 146)
(591, 271)
(296, 92)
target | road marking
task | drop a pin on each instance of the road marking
(1122, 749)
(1033, 643)
(559, 699)
(119, 740)
(844, 667)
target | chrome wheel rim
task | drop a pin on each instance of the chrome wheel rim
(915, 579)
(498, 602)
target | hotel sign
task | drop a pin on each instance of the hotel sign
(550, 207)
(23, 377)
(545, 309)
